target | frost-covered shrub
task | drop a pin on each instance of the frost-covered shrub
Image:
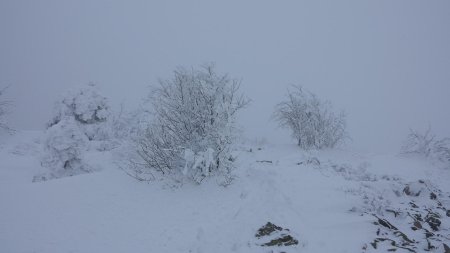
(88, 108)
(312, 122)
(127, 126)
(198, 165)
(193, 124)
(80, 123)
(426, 145)
(419, 143)
(64, 146)
(4, 106)
(441, 150)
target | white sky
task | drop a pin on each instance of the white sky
(386, 63)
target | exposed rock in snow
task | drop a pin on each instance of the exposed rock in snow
(271, 235)
(418, 223)
(414, 188)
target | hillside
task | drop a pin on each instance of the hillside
(327, 200)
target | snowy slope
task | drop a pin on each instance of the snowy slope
(319, 197)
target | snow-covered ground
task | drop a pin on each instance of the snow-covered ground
(328, 200)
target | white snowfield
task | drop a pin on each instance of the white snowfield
(326, 200)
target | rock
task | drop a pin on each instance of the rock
(428, 234)
(433, 220)
(273, 235)
(413, 205)
(433, 195)
(413, 189)
(403, 236)
(386, 223)
(430, 246)
(417, 224)
(285, 240)
(267, 229)
(418, 216)
(446, 248)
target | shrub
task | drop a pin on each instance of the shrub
(193, 124)
(312, 122)
(64, 145)
(79, 123)
(87, 108)
(427, 145)
(4, 110)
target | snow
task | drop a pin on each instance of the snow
(385, 63)
(309, 193)
(198, 165)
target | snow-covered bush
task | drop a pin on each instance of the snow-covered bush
(80, 123)
(193, 124)
(126, 126)
(4, 106)
(426, 145)
(88, 108)
(441, 150)
(64, 145)
(419, 143)
(312, 122)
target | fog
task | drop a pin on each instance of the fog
(386, 63)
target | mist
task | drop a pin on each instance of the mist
(386, 63)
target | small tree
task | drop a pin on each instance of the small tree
(89, 110)
(193, 125)
(80, 120)
(64, 145)
(419, 143)
(312, 122)
(4, 106)
(427, 145)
